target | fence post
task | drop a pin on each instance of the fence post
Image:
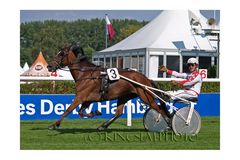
(129, 113)
(54, 87)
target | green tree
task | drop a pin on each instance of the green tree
(51, 35)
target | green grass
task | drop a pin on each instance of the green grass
(82, 134)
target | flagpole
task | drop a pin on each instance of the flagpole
(106, 33)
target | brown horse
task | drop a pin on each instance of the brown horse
(88, 81)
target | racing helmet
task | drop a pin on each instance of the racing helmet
(192, 60)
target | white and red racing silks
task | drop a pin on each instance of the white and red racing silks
(192, 82)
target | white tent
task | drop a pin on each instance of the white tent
(169, 27)
(21, 70)
(172, 33)
(25, 67)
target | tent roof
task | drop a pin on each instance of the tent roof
(171, 29)
(21, 70)
(38, 68)
(25, 67)
(40, 59)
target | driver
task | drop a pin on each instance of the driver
(192, 81)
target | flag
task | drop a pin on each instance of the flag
(109, 29)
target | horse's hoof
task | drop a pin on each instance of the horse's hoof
(101, 128)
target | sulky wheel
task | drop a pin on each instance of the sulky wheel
(153, 121)
(179, 125)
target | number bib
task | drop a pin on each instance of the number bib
(113, 74)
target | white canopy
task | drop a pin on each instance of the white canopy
(21, 70)
(25, 67)
(172, 29)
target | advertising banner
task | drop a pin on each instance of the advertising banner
(49, 107)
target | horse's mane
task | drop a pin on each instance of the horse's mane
(84, 59)
(79, 53)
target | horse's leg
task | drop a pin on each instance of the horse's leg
(75, 103)
(119, 111)
(84, 106)
(111, 120)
